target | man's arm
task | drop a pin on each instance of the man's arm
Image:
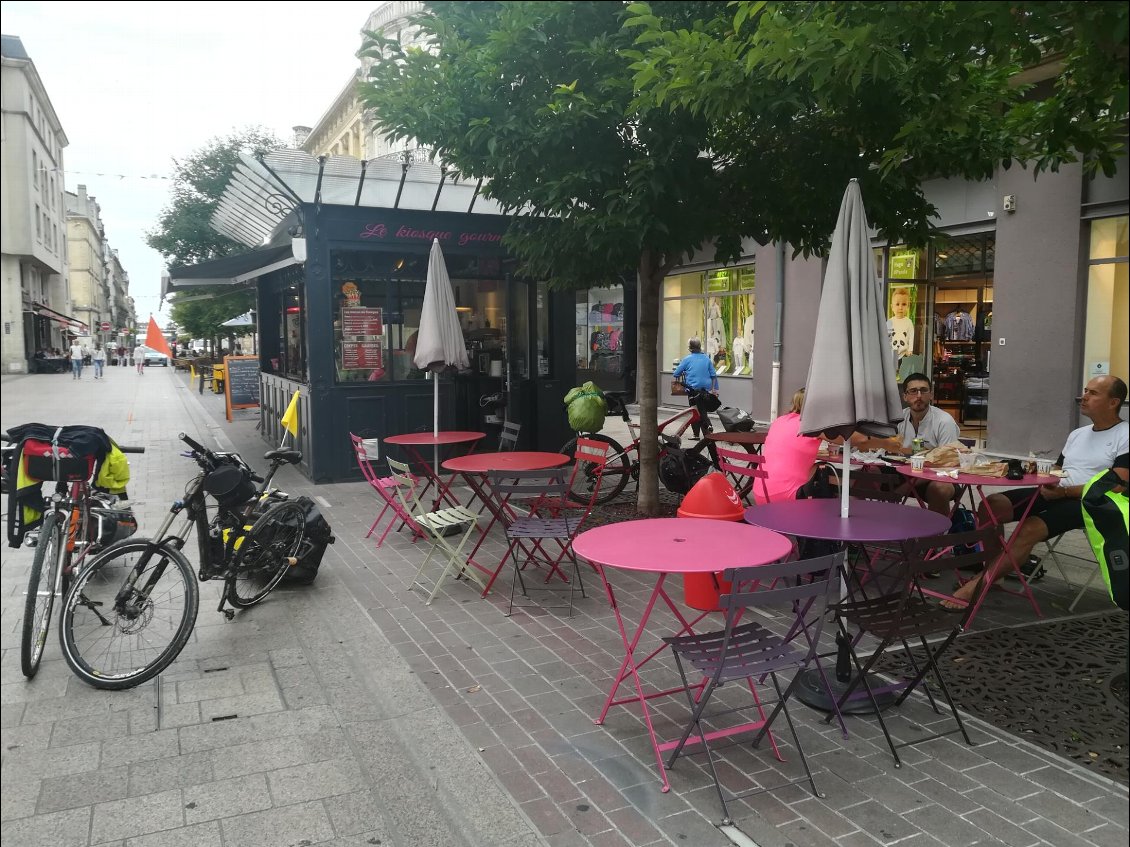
(1075, 492)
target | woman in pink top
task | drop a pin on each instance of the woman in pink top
(789, 456)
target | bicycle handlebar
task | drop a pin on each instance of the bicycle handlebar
(126, 449)
(195, 445)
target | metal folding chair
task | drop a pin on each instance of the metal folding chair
(525, 534)
(386, 491)
(1053, 553)
(902, 613)
(745, 471)
(508, 438)
(441, 526)
(750, 651)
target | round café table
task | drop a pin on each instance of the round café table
(412, 441)
(474, 467)
(752, 441)
(971, 482)
(665, 546)
(869, 522)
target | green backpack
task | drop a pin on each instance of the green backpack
(1105, 519)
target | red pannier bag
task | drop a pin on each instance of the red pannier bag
(42, 461)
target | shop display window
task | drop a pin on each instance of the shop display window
(600, 334)
(1108, 303)
(716, 306)
(292, 331)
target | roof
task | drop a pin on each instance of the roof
(264, 190)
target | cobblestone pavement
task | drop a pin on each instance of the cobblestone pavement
(365, 715)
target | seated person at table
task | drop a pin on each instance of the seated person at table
(1089, 450)
(923, 420)
(789, 457)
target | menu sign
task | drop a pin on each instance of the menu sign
(361, 354)
(361, 320)
(241, 383)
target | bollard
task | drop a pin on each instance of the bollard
(711, 497)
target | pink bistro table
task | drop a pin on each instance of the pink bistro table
(869, 522)
(665, 546)
(969, 482)
(474, 467)
(411, 441)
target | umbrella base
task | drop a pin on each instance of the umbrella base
(811, 691)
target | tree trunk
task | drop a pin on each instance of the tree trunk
(651, 273)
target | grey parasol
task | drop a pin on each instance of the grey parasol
(851, 383)
(439, 342)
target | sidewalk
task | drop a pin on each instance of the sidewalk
(296, 723)
(423, 712)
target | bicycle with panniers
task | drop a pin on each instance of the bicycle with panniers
(132, 610)
(82, 514)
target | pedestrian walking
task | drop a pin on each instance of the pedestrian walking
(76, 360)
(122, 358)
(99, 360)
(139, 359)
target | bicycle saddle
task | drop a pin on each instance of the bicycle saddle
(284, 456)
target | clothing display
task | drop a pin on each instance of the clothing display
(958, 326)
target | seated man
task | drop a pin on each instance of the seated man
(927, 423)
(1089, 450)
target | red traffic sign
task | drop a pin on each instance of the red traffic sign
(105, 326)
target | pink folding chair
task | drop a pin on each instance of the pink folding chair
(386, 491)
(745, 471)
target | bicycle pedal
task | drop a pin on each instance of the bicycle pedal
(229, 614)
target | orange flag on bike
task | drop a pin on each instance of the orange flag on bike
(155, 339)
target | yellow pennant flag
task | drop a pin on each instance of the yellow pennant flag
(289, 419)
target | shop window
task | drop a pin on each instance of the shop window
(1108, 305)
(600, 336)
(721, 314)
(292, 331)
(543, 328)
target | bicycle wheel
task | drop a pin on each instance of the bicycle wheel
(265, 553)
(117, 643)
(617, 469)
(41, 593)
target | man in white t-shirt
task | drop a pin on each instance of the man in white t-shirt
(76, 360)
(1089, 450)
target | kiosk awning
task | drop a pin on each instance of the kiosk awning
(232, 270)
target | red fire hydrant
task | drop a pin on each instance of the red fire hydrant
(711, 497)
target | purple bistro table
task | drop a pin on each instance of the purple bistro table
(979, 482)
(664, 546)
(870, 522)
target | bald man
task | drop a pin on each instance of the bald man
(1089, 451)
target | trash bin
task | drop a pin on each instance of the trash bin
(711, 497)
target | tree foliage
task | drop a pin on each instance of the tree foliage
(629, 136)
(183, 234)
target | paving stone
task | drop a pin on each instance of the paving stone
(59, 829)
(198, 835)
(136, 816)
(314, 781)
(140, 748)
(18, 796)
(173, 772)
(226, 798)
(71, 792)
(356, 813)
(303, 823)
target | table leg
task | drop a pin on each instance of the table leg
(1006, 551)
(443, 491)
(629, 666)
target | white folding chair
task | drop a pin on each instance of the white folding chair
(442, 526)
(1053, 553)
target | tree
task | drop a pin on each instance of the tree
(183, 234)
(598, 126)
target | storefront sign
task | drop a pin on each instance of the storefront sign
(722, 280)
(406, 233)
(361, 320)
(362, 354)
(747, 278)
(904, 264)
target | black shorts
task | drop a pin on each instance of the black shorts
(1059, 516)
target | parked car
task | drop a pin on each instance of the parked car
(153, 358)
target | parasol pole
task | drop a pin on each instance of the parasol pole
(435, 419)
(845, 479)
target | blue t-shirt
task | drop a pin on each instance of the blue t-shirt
(699, 371)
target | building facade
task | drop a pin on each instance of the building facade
(1019, 300)
(86, 249)
(122, 318)
(36, 301)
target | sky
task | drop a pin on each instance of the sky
(136, 85)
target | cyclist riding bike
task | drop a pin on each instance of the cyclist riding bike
(697, 372)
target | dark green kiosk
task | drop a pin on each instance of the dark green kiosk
(340, 286)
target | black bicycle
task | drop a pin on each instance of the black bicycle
(132, 609)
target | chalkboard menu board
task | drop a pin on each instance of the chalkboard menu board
(241, 385)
